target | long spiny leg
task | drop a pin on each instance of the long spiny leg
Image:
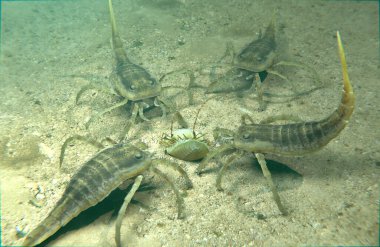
(223, 169)
(212, 76)
(80, 138)
(303, 66)
(131, 121)
(313, 72)
(141, 112)
(82, 90)
(191, 84)
(183, 70)
(229, 52)
(110, 140)
(268, 177)
(246, 117)
(181, 91)
(121, 213)
(159, 103)
(91, 87)
(172, 87)
(221, 64)
(290, 96)
(212, 154)
(93, 118)
(260, 91)
(180, 201)
(274, 72)
(176, 167)
(177, 117)
(171, 126)
(163, 109)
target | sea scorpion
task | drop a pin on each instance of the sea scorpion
(253, 63)
(96, 179)
(294, 139)
(130, 81)
(260, 54)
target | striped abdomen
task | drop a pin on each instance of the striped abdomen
(94, 181)
(300, 138)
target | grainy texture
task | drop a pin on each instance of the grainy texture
(133, 82)
(94, 181)
(259, 55)
(332, 194)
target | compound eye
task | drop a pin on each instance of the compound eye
(132, 87)
(138, 156)
(241, 56)
(152, 82)
(245, 136)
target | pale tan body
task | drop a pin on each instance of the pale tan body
(130, 81)
(251, 64)
(96, 179)
(290, 139)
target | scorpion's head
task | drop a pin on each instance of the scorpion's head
(135, 83)
(251, 138)
(258, 56)
(133, 159)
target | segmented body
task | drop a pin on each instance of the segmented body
(259, 55)
(304, 137)
(94, 181)
(138, 88)
(133, 82)
(297, 138)
(233, 80)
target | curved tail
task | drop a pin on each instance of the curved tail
(120, 54)
(336, 122)
(348, 98)
(57, 218)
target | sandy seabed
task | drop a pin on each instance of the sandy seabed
(51, 49)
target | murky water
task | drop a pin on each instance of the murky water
(52, 49)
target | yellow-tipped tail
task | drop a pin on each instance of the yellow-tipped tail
(348, 98)
(346, 79)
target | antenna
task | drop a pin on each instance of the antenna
(199, 110)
